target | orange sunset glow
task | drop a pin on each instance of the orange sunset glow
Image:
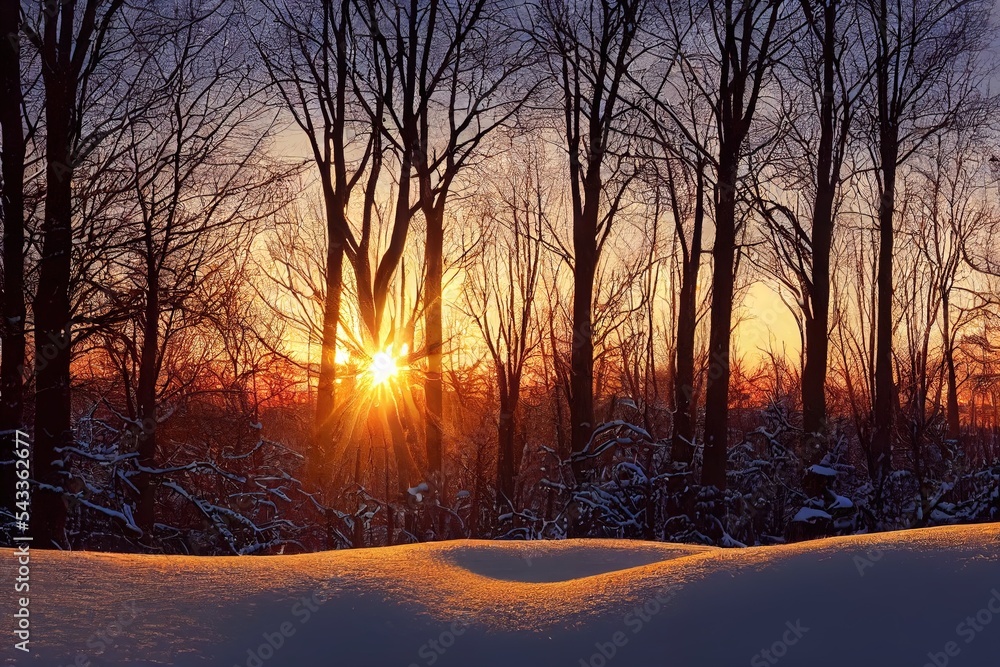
(553, 333)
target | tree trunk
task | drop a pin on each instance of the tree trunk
(506, 454)
(333, 170)
(323, 426)
(581, 407)
(954, 427)
(52, 315)
(406, 469)
(12, 311)
(433, 384)
(682, 445)
(883, 416)
(146, 398)
(723, 281)
(817, 320)
(740, 84)
(888, 134)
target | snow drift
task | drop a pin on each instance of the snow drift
(912, 598)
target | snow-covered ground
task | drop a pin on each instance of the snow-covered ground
(915, 598)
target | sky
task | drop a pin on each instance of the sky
(766, 325)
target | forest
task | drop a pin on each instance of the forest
(281, 276)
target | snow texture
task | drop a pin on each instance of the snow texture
(809, 515)
(890, 599)
(822, 471)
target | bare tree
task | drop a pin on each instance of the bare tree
(682, 138)
(501, 296)
(925, 56)
(71, 40)
(750, 39)
(589, 48)
(835, 88)
(468, 66)
(199, 183)
(13, 310)
(953, 206)
(310, 67)
(800, 204)
(684, 174)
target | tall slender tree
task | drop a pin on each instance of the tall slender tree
(682, 138)
(827, 23)
(501, 296)
(310, 67)
(199, 184)
(589, 48)
(71, 40)
(750, 39)
(13, 309)
(807, 169)
(925, 63)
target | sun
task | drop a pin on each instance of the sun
(384, 366)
